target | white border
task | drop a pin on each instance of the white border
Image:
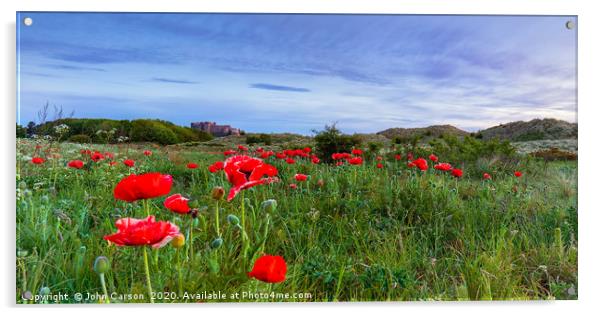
(589, 143)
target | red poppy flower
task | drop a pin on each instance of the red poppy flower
(486, 176)
(290, 160)
(398, 157)
(433, 158)
(244, 172)
(357, 152)
(242, 148)
(338, 156)
(411, 165)
(307, 150)
(142, 232)
(340, 163)
(355, 161)
(280, 155)
(76, 164)
(457, 173)
(112, 163)
(109, 155)
(410, 156)
(443, 166)
(129, 162)
(216, 166)
(147, 152)
(270, 269)
(85, 152)
(379, 165)
(315, 160)
(379, 158)
(292, 186)
(177, 204)
(421, 163)
(300, 177)
(518, 174)
(259, 149)
(37, 160)
(145, 186)
(97, 157)
(229, 152)
(192, 165)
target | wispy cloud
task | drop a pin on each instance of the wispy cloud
(72, 67)
(168, 80)
(267, 86)
(64, 50)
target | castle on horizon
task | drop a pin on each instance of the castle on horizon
(214, 129)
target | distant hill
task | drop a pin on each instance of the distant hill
(425, 132)
(537, 129)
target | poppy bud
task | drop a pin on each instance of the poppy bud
(44, 291)
(178, 241)
(269, 205)
(193, 203)
(101, 265)
(23, 185)
(232, 219)
(194, 213)
(218, 193)
(216, 243)
(45, 199)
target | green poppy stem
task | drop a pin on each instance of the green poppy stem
(245, 237)
(146, 207)
(242, 209)
(148, 280)
(104, 288)
(217, 218)
(179, 262)
(190, 237)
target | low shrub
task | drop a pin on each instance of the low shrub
(554, 154)
(80, 138)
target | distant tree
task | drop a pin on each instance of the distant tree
(21, 131)
(332, 140)
(31, 128)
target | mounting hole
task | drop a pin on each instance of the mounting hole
(569, 25)
(27, 21)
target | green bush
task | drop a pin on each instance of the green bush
(331, 140)
(265, 139)
(471, 153)
(21, 131)
(144, 130)
(152, 131)
(252, 139)
(80, 138)
(204, 136)
(536, 135)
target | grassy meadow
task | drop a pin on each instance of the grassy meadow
(348, 233)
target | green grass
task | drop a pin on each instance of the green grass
(367, 234)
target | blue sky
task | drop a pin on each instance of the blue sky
(295, 73)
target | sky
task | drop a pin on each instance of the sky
(295, 73)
